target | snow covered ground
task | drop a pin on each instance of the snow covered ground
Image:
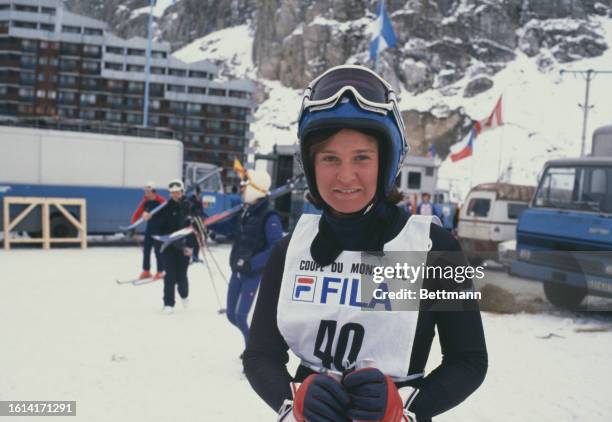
(69, 332)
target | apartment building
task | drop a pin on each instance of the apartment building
(60, 67)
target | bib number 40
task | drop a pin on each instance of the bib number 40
(345, 353)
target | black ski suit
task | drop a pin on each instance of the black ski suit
(460, 332)
(173, 217)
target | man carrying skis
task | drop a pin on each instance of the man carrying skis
(259, 229)
(149, 202)
(174, 217)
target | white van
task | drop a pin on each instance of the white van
(489, 216)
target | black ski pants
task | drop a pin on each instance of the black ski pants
(175, 263)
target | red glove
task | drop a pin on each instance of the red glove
(374, 396)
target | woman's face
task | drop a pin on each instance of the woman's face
(346, 170)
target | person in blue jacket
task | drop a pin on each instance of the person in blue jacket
(259, 229)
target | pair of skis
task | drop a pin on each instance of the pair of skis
(138, 281)
(167, 240)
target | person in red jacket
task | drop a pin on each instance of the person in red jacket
(149, 202)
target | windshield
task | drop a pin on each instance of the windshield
(576, 188)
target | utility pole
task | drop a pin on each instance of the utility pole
(590, 73)
(145, 113)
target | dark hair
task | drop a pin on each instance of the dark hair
(316, 138)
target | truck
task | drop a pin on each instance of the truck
(108, 171)
(564, 238)
(489, 217)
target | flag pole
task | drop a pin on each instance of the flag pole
(501, 144)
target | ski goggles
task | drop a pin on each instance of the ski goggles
(371, 92)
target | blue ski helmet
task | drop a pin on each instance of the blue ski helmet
(354, 97)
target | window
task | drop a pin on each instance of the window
(41, 77)
(67, 112)
(66, 97)
(87, 114)
(479, 207)
(215, 109)
(135, 86)
(93, 31)
(177, 72)
(175, 88)
(194, 123)
(135, 52)
(69, 65)
(27, 78)
(69, 29)
(29, 62)
(414, 180)
(51, 95)
(515, 209)
(198, 74)
(40, 93)
(134, 103)
(154, 104)
(196, 90)
(158, 70)
(154, 120)
(115, 85)
(91, 67)
(115, 50)
(70, 49)
(158, 54)
(47, 10)
(24, 24)
(67, 80)
(134, 118)
(175, 121)
(576, 188)
(88, 99)
(176, 106)
(135, 68)
(113, 66)
(91, 50)
(24, 8)
(238, 94)
(429, 171)
(194, 108)
(47, 27)
(28, 45)
(114, 101)
(156, 89)
(214, 124)
(89, 82)
(217, 92)
(43, 60)
(113, 116)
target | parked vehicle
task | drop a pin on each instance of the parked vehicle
(564, 239)
(489, 216)
(506, 254)
(109, 171)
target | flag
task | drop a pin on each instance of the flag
(239, 169)
(382, 32)
(494, 120)
(464, 148)
(431, 152)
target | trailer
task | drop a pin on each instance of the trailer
(108, 171)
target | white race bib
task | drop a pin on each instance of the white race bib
(321, 314)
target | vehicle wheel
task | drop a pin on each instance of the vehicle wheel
(564, 296)
(60, 227)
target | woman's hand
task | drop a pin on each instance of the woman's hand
(320, 398)
(187, 251)
(374, 396)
